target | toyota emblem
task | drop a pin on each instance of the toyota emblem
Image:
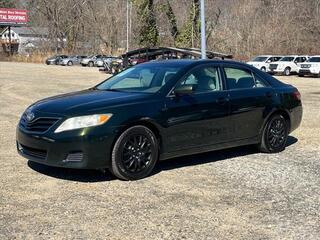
(30, 116)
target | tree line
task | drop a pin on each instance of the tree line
(241, 27)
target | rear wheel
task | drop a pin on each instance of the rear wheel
(287, 71)
(70, 63)
(134, 154)
(263, 69)
(275, 135)
(90, 64)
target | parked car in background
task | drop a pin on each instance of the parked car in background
(262, 62)
(101, 61)
(310, 67)
(89, 61)
(72, 60)
(160, 110)
(287, 65)
(54, 60)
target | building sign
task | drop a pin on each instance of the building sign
(13, 16)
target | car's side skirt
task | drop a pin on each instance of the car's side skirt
(209, 148)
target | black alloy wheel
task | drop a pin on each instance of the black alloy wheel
(135, 153)
(275, 135)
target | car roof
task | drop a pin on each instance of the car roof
(188, 62)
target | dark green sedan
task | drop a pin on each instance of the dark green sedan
(159, 110)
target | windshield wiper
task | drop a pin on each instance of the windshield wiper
(111, 90)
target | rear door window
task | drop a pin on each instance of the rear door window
(242, 79)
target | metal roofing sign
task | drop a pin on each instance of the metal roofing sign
(10, 16)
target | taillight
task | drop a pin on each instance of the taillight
(297, 95)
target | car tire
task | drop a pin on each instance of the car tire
(90, 64)
(70, 63)
(263, 69)
(275, 134)
(287, 71)
(135, 153)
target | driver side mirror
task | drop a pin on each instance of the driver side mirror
(184, 90)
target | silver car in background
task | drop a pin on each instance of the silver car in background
(72, 60)
(100, 62)
(89, 61)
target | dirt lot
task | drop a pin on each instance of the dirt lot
(231, 194)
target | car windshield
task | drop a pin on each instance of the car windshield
(259, 59)
(314, 59)
(147, 79)
(286, 59)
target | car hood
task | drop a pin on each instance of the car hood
(311, 63)
(87, 101)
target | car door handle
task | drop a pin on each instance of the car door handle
(222, 100)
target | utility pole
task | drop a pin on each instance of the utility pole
(127, 25)
(203, 31)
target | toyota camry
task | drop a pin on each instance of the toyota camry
(160, 110)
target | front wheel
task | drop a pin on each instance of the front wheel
(287, 71)
(263, 69)
(70, 63)
(275, 135)
(134, 154)
(90, 64)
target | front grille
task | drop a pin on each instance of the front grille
(304, 71)
(33, 152)
(305, 65)
(38, 125)
(273, 66)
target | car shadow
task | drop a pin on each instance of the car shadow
(78, 175)
(91, 176)
(210, 157)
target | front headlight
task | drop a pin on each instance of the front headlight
(83, 122)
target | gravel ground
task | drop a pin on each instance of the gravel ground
(230, 194)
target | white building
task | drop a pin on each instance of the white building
(24, 39)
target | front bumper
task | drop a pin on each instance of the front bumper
(309, 71)
(51, 62)
(277, 70)
(89, 151)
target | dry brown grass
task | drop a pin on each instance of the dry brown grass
(35, 57)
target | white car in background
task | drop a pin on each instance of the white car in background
(262, 62)
(287, 65)
(310, 67)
